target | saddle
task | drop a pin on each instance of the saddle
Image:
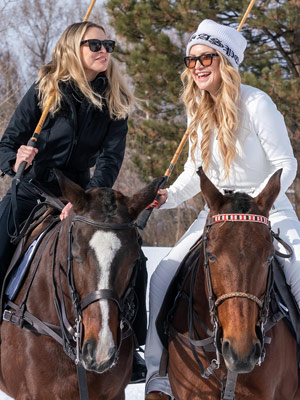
(42, 218)
(172, 296)
(282, 304)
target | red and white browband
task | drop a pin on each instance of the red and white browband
(238, 218)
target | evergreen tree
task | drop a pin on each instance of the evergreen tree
(152, 36)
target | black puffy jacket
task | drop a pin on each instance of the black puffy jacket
(78, 137)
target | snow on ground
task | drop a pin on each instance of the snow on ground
(133, 392)
(154, 255)
(5, 397)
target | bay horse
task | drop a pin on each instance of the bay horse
(226, 296)
(78, 283)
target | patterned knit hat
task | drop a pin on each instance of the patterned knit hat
(230, 42)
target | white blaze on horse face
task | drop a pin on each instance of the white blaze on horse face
(106, 246)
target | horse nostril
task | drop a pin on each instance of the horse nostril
(89, 349)
(228, 352)
(225, 346)
(257, 350)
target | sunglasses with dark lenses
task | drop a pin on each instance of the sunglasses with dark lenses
(205, 60)
(96, 44)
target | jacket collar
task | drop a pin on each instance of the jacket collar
(70, 88)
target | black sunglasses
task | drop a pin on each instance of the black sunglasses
(205, 60)
(96, 44)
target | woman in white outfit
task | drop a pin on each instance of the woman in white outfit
(239, 137)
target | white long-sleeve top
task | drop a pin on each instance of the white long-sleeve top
(262, 147)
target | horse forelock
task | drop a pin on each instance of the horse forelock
(109, 204)
(240, 203)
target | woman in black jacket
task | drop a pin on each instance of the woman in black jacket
(86, 125)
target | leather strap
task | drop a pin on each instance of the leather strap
(98, 295)
(34, 322)
(284, 244)
(82, 382)
(229, 389)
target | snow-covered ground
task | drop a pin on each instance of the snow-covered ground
(133, 392)
(154, 255)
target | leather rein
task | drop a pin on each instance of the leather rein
(212, 342)
(68, 335)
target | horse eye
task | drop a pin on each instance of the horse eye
(270, 259)
(211, 257)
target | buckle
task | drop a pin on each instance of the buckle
(10, 316)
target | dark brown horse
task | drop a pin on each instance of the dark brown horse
(226, 295)
(85, 267)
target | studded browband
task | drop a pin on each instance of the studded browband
(238, 218)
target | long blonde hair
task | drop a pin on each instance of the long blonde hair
(222, 113)
(66, 66)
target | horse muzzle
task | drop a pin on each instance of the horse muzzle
(98, 359)
(238, 363)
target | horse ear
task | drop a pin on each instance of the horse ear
(268, 195)
(71, 191)
(210, 193)
(140, 200)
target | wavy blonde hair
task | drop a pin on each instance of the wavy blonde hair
(66, 65)
(222, 113)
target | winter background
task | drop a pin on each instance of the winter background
(154, 255)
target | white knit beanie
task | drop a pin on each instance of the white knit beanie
(227, 40)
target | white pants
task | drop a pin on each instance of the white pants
(289, 226)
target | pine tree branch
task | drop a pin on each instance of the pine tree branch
(282, 51)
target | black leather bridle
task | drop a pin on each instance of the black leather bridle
(108, 294)
(126, 316)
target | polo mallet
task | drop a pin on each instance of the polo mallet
(143, 218)
(33, 140)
